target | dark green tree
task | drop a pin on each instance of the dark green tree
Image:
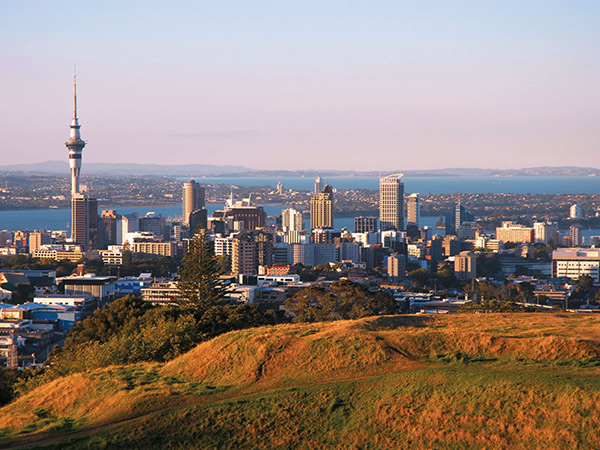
(199, 281)
(344, 300)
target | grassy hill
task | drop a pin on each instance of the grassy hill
(517, 381)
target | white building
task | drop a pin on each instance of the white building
(514, 232)
(574, 262)
(575, 212)
(127, 223)
(292, 220)
(546, 232)
(223, 245)
(391, 203)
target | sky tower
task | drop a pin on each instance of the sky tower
(75, 144)
(84, 209)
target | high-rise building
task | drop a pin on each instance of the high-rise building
(128, 223)
(575, 212)
(396, 266)
(108, 230)
(460, 215)
(365, 224)
(546, 232)
(575, 236)
(465, 266)
(84, 210)
(198, 218)
(321, 209)
(193, 198)
(84, 214)
(292, 220)
(251, 249)
(391, 203)
(155, 224)
(413, 209)
(318, 186)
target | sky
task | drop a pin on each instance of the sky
(349, 85)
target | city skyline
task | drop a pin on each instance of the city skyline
(431, 86)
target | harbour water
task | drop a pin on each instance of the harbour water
(59, 219)
(435, 185)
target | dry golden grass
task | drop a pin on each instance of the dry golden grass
(452, 381)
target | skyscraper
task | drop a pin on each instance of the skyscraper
(317, 185)
(292, 220)
(391, 203)
(192, 199)
(321, 209)
(84, 217)
(413, 209)
(84, 210)
(461, 214)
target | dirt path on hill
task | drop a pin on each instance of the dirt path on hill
(30, 441)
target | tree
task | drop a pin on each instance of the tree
(343, 300)
(585, 283)
(199, 273)
(420, 277)
(224, 264)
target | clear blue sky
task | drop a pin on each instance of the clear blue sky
(306, 84)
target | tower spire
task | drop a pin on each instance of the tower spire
(75, 144)
(75, 90)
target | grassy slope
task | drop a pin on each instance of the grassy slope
(460, 381)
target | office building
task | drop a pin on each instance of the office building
(292, 220)
(108, 227)
(365, 224)
(575, 212)
(155, 224)
(413, 210)
(84, 216)
(396, 267)
(240, 215)
(127, 223)
(465, 266)
(321, 209)
(250, 250)
(318, 186)
(193, 198)
(514, 232)
(546, 232)
(391, 203)
(198, 218)
(575, 237)
(457, 217)
(575, 262)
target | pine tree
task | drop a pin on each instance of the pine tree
(199, 274)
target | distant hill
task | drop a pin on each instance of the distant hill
(62, 167)
(184, 170)
(461, 381)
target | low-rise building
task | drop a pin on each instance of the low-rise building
(162, 293)
(56, 252)
(101, 288)
(575, 262)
